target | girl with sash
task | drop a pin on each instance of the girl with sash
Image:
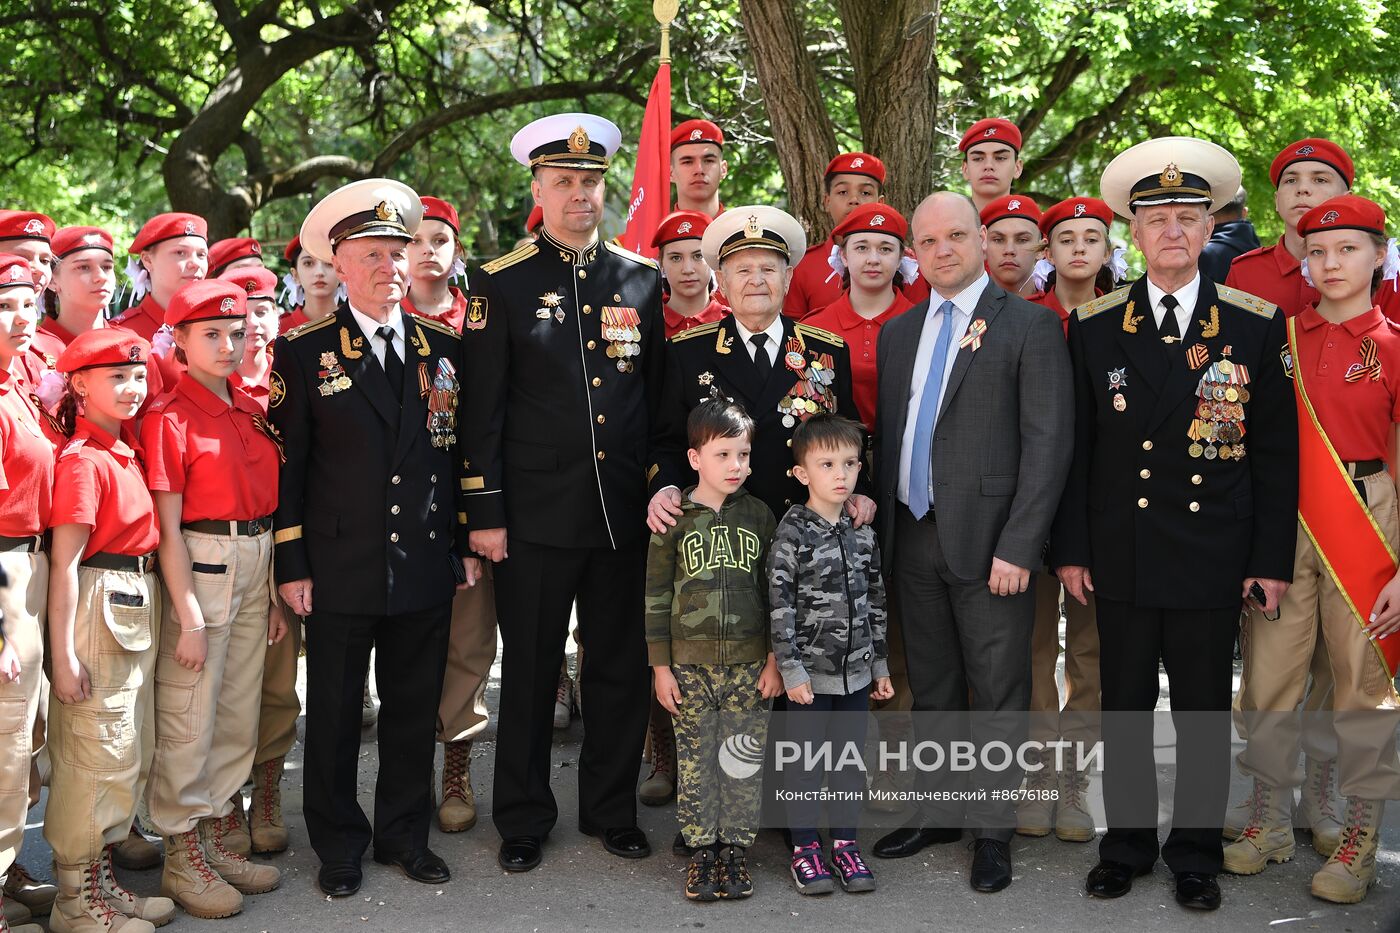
(1344, 357)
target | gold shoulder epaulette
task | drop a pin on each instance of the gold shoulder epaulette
(309, 326)
(1251, 303)
(510, 259)
(628, 254)
(434, 324)
(700, 331)
(1102, 303)
(807, 330)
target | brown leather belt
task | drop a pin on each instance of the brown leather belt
(232, 529)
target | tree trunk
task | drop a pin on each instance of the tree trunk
(892, 48)
(802, 131)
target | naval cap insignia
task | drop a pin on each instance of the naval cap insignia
(386, 211)
(578, 140)
(752, 228)
(1171, 176)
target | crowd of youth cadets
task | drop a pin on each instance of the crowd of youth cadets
(140, 443)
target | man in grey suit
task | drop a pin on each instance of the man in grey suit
(974, 432)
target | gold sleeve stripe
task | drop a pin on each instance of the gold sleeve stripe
(462, 517)
(473, 482)
(283, 535)
(651, 474)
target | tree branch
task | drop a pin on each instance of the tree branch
(1088, 129)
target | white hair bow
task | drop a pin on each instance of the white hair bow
(837, 263)
(459, 268)
(163, 341)
(292, 292)
(140, 279)
(1040, 275)
(1117, 264)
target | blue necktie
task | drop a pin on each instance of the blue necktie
(921, 459)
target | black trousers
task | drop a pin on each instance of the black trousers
(1196, 647)
(410, 657)
(833, 721)
(536, 586)
(965, 649)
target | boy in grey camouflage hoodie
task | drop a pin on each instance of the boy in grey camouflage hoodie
(828, 618)
(708, 644)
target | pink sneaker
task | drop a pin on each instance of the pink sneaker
(851, 869)
(809, 871)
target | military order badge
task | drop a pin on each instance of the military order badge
(622, 330)
(332, 375)
(441, 392)
(1219, 426)
(812, 391)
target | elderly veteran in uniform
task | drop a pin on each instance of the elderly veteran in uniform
(1179, 507)
(563, 340)
(369, 535)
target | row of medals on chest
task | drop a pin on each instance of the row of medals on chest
(621, 328)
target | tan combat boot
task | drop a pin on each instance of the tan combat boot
(1035, 815)
(1267, 836)
(247, 877)
(81, 908)
(157, 911)
(458, 811)
(1073, 822)
(1351, 868)
(237, 838)
(1238, 816)
(660, 786)
(136, 852)
(1319, 806)
(23, 890)
(13, 913)
(268, 831)
(190, 881)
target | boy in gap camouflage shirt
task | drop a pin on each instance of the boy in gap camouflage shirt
(707, 640)
(828, 618)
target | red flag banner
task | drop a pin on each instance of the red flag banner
(651, 185)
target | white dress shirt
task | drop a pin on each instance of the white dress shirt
(370, 327)
(965, 304)
(1185, 295)
(774, 333)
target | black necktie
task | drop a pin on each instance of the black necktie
(1169, 331)
(393, 366)
(761, 362)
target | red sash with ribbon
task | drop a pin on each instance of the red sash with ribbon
(1352, 546)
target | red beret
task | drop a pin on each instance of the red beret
(71, 239)
(25, 225)
(206, 300)
(535, 219)
(680, 225)
(856, 163)
(256, 281)
(1073, 208)
(696, 131)
(224, 252)
(438, 209)
(991, 130)
(105, 346)
(167, 227)
(1344, 212)
(1011, 205)
(873, 218)
(15, 271)
(1314, 150)
(294, 247)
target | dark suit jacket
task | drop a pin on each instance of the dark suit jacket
(1156, 526)
(367, 506)
(1001, 445)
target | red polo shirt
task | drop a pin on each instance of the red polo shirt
(1358, 415)
(814, 283)
(675, 323)
(862, 341)
(98, 482)
(144, 320)
(452, 317)
(260, 391)
(26, 463)
(1271, 273)
(213, 453)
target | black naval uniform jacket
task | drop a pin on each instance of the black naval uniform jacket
(1156, 526)
(712, 358)
(557, 433)
(367, 506)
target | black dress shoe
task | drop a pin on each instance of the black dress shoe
(519, 853)
(1112, 879)
(991, 865)
(911, 840)
(622, 841)
(340, 878)
(417, 865)
(1197, 890)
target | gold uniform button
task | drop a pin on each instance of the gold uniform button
(592, 344)
(789, 472)
(396, 479)
(1195, 506)
(394, 536)
(602, 456)
(1146, 445)
(1142, 503)
(587, 309)
(394, 510)
(602, 419)
(789, 442)
(1196, 479)
(1145, 474)
(583, 274)
(597, 382)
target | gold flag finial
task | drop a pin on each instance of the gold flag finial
(665, 12)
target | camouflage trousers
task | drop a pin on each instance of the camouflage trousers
(721, 734)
